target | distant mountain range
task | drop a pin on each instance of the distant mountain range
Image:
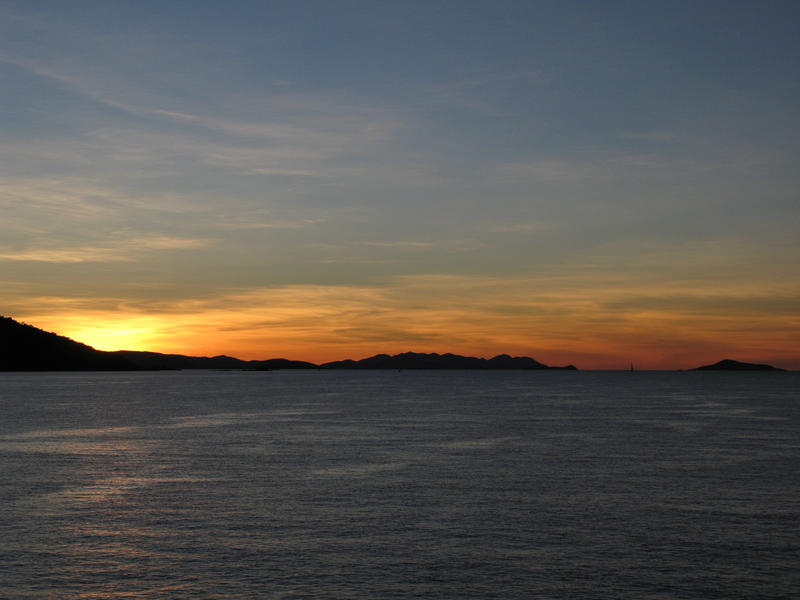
(414, 360)
(26, 348)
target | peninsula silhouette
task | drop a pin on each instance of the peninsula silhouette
(27, 348)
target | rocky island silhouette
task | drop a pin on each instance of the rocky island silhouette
(729, 364)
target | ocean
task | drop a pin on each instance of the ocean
(412, 484)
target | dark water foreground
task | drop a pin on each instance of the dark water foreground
(400, 485)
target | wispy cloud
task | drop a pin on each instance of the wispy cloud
(524, 227)
(313, 134)
(424, 245)
(118, 251)
(68, 255)
(274, 224)
(83, 199)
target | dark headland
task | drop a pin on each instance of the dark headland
(734, 365)
(27, 348)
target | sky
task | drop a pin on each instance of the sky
(595, 183)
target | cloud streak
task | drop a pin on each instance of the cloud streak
(120, 251)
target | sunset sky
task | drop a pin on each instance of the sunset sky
(594, 183)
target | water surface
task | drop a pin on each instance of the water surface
(399, 485)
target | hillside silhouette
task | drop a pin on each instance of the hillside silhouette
(27, 348)
(158, 361)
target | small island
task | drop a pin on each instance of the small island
(735, 365)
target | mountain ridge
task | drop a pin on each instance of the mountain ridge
(429, 361)
(24, 347)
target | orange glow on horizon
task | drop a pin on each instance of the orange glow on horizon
(107, 333)
(591, 350)
(606, 325)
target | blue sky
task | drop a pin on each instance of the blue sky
(576, 180)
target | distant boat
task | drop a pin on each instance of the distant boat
(632, 367)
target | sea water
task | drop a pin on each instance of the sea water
(381, 484)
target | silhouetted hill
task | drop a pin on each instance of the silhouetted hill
(281, 363)
(26, 348)
(158, 361)
(414, 360)
(734, 365)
